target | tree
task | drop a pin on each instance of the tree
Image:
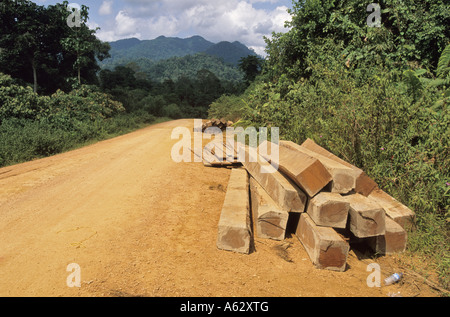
(122, 76)
(37, 46)
(208, 88)
(251, 66)
(83, 43)
(21, 41)
(411, 32)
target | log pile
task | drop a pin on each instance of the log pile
(331, 201)
(222, 124)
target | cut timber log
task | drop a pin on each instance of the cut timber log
(367, 218)
(325, 247)
(306, 171)
(343, 176)
(234, 233)
(364, 185)
(269, 220)
(393, 241)
(329, 210)
(404, 216)
(283, 191)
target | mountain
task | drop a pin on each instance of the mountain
(162, 48)
(157, 49)
(230, 52)
(124, 44)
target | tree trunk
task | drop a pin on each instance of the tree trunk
(34, 77)
(79, 75)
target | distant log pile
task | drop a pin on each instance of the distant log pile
(222, 124)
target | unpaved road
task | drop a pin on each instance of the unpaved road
(139, 224)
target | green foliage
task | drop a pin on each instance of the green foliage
(85, 103)
(38, 47)
(191, 95)
(153, 104)
(172, 111)
(251, 66)
(36, 126)
(231, 108)
(82, 104)
(443, 68)
(188, 66)
(411, 32)
(18, 101)
(33, 126)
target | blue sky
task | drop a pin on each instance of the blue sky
(247, 21)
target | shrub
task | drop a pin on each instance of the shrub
(172, 111)
(154, 105)
(228, 107)
(18, 101)
(84, 103)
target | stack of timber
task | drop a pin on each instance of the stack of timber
(331, 201)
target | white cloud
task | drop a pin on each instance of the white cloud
(92, 24)
(235, 20)
(216, 20)
(263, 1)
(106, 8)
(126, 26)
(163, 25)
(279, 18)
(107, 36)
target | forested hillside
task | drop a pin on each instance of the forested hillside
(230, 53)
(171, 58)
(154, 50)
(163, 48)
(377, 97)
(185, 66)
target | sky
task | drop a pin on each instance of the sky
(246, 21)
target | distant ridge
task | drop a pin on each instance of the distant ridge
(162, 48)
(230, 52)
(124, 44)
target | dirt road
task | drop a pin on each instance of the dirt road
(139, 224)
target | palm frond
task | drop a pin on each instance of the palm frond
(443, 68)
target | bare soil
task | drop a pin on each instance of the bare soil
(139, 224)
